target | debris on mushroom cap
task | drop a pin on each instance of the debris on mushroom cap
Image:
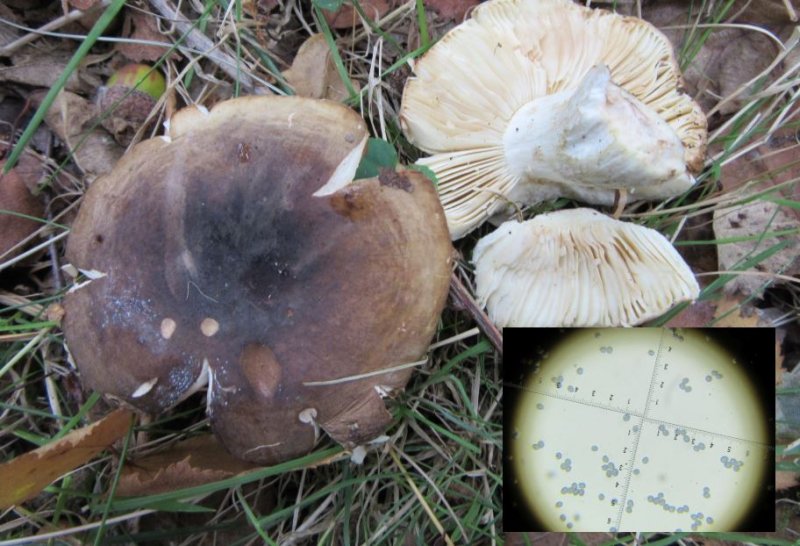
(240, 253)
(578, 268)
(516, 104)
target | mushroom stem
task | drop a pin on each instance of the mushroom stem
(593, 140)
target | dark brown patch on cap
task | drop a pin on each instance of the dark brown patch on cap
(349, 204)
(394, 179)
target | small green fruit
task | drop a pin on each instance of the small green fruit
(153, 83)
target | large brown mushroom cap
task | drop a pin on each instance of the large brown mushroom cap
(240, 250)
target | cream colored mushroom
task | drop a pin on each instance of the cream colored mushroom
(578, 268)
(533, 99)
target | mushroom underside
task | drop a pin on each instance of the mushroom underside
(576, 268)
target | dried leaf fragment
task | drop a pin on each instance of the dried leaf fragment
(71, 119)
(452, 9)
(25, 476)
(16, 199)
(313, 73)
(347, 16)
(785, 480)
(193, 462)
(732, 313)
(144, 29)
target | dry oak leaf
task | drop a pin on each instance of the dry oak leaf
(24, 477)
(313, 73)
(190, 463)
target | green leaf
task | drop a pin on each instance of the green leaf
(427, 171)
(330, 5)
(380, 155)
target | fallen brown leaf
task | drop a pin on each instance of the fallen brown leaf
(193, 462)
(452, 9)
(773, 163)
(16, 198)
(764, 11)
(141, 26)
(347, 16)
(556, 539)
(8, 33)
(71, 118)
(38, 68)
(313, 73)
(698, 314)
(733, 314)
(751, 221)
(25, 476)
(728, 58)
(83, 4)
(785, 480)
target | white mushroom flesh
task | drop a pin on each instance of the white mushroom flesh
(593, 140)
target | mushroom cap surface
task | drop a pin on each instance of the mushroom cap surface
(578, 268)
(469, 86)
(238, 251)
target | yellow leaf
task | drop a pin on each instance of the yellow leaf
(732, 314)
(24, 477)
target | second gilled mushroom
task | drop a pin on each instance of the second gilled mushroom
(579, 268)
(238, 251)
(533, 99)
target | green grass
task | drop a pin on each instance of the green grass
(438, 475)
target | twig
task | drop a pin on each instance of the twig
(197, 40)
(463, 297)
(790, 10)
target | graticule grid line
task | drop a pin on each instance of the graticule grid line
(638, 435)
(648, 420)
